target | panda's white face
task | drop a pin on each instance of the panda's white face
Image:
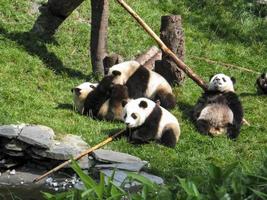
(80, 93)
(136, 111)
(222, 83)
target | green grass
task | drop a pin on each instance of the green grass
(36, 77)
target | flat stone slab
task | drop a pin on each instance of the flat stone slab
(75, 141)
(134, 167)
(21, 177)
(120, 177)
(10, 131)
(15, 145)
(109, 156)
(57, 152)
(37, 135)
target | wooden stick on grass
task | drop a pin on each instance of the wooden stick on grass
(109, 139)
(164, 48)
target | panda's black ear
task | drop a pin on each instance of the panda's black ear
(233, 80)
(77, 91)
(211, 77)
(143, 104)
(116, 73)
(124, 102)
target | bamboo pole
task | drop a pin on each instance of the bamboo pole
(164, 48)
(109, 139)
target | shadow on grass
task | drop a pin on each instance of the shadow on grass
(187, 110)
(65, 106)
(36, 46)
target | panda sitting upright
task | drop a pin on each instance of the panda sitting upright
(219, 110)
(146, 121)
(80, 93)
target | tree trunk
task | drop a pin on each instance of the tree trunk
(171, 33)
(99, 34)
(52, 16)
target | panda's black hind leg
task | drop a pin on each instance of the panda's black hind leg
(202, 126)
(167, 100)
(168, 138)
(233, 131)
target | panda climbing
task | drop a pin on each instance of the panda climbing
(80, 93)
(146, 121)
(142, 82)
(105, 101)
(219, 109)
(262, 83)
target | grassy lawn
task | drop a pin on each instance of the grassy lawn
(36, 77)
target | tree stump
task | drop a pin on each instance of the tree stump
(171, 33)
(111, 60)
(99, 34)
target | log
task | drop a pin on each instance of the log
(99, 34)
(149, 57)
(171, 33)
(164, 48)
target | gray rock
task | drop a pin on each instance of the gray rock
(57, 152)
(75, 141)
(155, 179)
(14, 153)
(37, 135)
(135, 167)
(8, 163)
(120, 177)
(22, 175)
(15, 145)
(10, 131)
(103, 155)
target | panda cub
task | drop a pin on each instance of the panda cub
(262, 83)
(80, 93)
(105, 101)
(142, 82)
(219, 110)
(146, 120)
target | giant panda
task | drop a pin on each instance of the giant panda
(142, 82)
(146, 121)
(262, 83)
(219, 109)
(105, 101)
(80, 93)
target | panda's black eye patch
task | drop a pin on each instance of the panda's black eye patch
(224, 80)
(125, 116)
(116, 73)
(133, 116)
(143, 104)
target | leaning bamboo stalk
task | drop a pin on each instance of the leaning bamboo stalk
(86, 152)
(164, 48)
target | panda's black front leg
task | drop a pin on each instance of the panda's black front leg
(138, 136)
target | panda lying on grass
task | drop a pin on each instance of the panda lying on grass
(146, 121)
(219, 110)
